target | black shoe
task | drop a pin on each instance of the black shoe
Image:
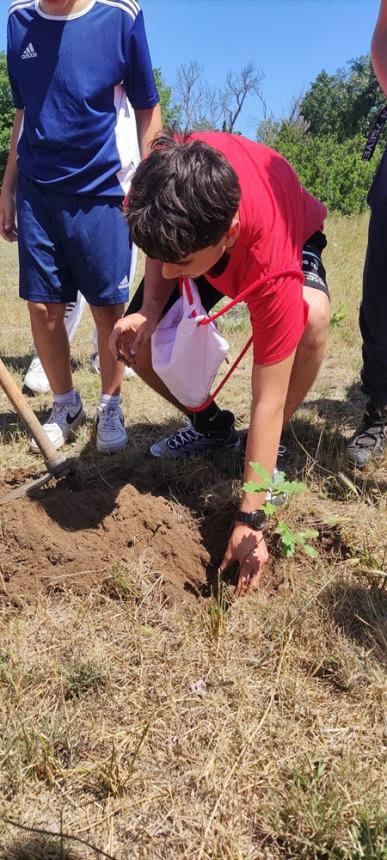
(187, 440)
(371, 438)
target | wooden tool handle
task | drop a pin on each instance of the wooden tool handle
(55, 461)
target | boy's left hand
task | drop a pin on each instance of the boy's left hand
(128, 336)
(247, 548)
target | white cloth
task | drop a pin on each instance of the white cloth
(185, 355)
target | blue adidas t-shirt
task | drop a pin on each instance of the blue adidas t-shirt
(78, 79)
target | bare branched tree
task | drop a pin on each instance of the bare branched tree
(213, 106)
(269, 127)
(238, 87)
(190, 93)
(295, 116)
(207, 107)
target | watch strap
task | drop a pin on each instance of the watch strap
(254, 519)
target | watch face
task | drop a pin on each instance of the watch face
(258, 519)
(255, 519)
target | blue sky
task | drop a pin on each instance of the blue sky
(290, 40)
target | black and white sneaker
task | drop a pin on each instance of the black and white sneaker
(187, 441)
(62, 422)
(370, 440)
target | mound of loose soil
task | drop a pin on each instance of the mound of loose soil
(74, 538)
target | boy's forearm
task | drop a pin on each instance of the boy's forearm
(11, 171)
(262, 447)
(149, 125)
(379, 47)
(269, 389)
(157, 290)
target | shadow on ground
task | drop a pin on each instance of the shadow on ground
(347, 411)
(324, 440)
(40, 849)
(20, 363)
(11, 426)
(17, 363)
(361, 614)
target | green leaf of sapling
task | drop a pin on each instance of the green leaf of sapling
(310, 550)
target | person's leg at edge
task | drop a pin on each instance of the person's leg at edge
(370, 439)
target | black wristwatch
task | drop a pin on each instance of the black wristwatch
(255, 519)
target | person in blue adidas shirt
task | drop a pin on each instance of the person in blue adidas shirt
(78, 69)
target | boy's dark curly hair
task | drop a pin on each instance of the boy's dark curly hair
(182, 198)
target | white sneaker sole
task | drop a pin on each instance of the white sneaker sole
(110, 449)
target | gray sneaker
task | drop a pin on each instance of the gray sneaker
(370, 439)
(111, 433)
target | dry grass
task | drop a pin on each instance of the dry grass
(280, 750)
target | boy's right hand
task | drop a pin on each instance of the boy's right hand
(128, 336)
(8, 229)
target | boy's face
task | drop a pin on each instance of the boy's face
(202, 261)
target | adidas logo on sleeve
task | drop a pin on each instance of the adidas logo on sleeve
(29, 52)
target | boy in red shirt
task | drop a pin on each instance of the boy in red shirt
(226, 211)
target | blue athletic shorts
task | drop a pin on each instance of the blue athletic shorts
(69, 243)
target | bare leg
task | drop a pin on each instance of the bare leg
(52, 344)
(310, 351)
(112, 371)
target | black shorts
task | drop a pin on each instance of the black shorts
(312, 267)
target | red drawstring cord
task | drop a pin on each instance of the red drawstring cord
(281, 273)
(211, 398)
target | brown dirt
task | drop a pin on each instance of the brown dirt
(75, 538)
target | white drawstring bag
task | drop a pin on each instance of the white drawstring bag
(186, 355)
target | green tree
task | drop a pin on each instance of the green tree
(170, 112)
(325, 136)
(344, 104)
(333, 171)
(7, 112)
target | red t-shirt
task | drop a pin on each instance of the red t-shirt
(277, 217)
